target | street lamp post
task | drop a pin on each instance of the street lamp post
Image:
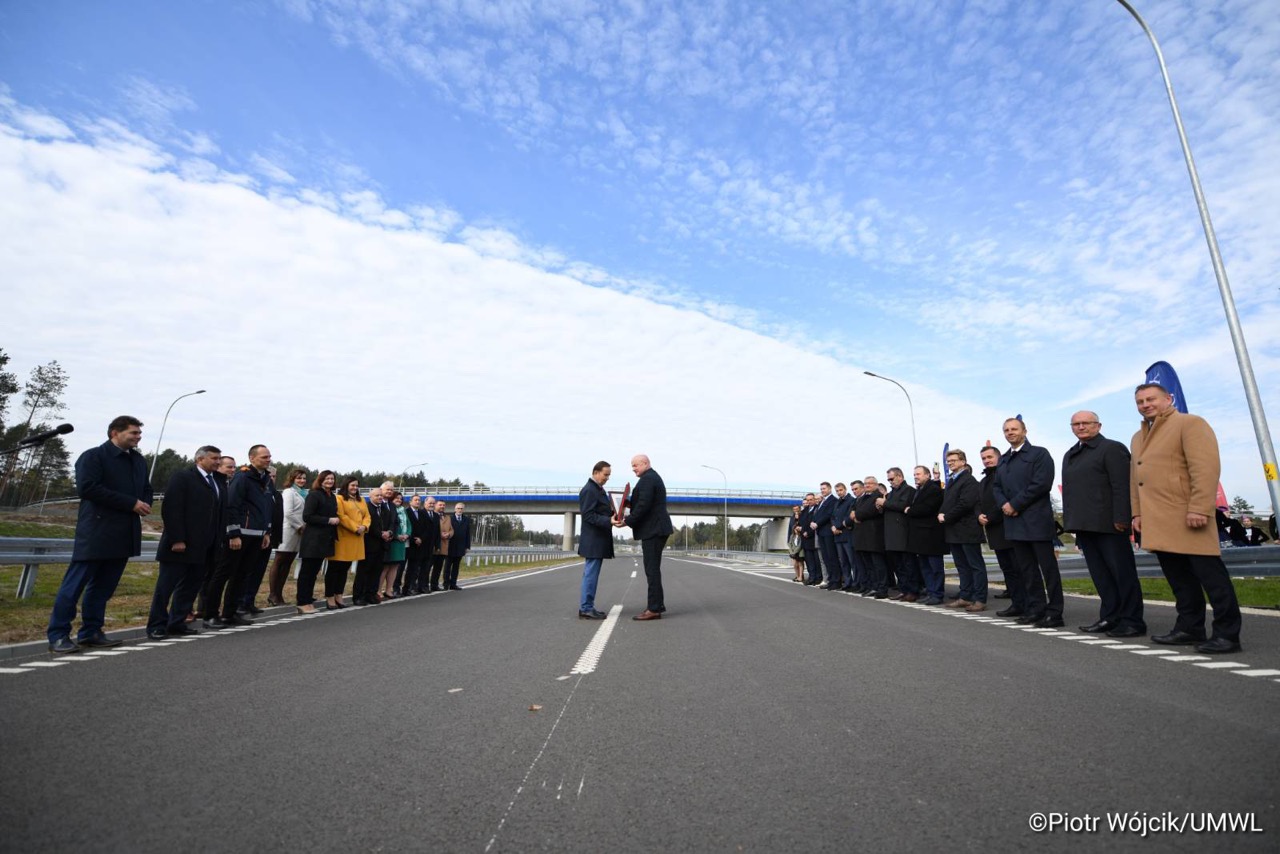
(160, 441)
(910, 408)
(726, 506)
(1267, 450)
(411, 468)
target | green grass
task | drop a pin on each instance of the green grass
(26, 619)
(1252, 592)
(53, 530)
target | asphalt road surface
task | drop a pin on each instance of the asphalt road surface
(758, 715)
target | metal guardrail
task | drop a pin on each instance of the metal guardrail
(34, 552)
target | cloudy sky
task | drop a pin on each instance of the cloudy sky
(511, 238)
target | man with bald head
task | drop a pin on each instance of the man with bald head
(650, 523)
(1096, 508)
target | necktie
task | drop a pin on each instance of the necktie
(209, 479)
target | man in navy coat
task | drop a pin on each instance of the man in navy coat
(115, 494)
(1024, 479)
(459, 545)
(193, 509)
(595, 544)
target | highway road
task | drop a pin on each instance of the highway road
(758, 715)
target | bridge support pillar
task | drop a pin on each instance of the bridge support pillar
(773, 535)
(570, 519)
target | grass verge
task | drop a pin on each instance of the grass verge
(27, 619)
(1252, 592)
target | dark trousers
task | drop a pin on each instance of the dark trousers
(934, 574)
(1013, 580)
(1109, 557)
(844, 552)
(1038, 566)
(904, 567)
(437, 567)
(451, 569)
(409, 579)
(1192, 577)
(335, 578)
(228, 580)
(812, 563)
(97, 581)
(253, 575)
(972, 570)
(205, 606)
(367, 573)
(307, 579)
(176, 587)
(279, 575)
(830, 561)
(861, 576)
(651, 548)
(877, 570)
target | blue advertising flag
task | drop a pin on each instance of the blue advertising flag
(946, 469)
(1164, 374)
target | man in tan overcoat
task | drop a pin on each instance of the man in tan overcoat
(1174, 486)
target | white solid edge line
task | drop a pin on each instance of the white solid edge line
(591, 655)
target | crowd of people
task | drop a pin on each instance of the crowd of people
(868, 538)
(222, 523)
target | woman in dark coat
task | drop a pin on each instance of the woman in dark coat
(320, 514)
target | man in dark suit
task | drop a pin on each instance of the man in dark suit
(820, 524)
(812, 562)
(409, 579)
(868, 538)
(1095, 507)
(1024, 479)
(959, 518)
(192, 511)
(902, 563)
(925, 536)
(382, 526)
(650, 523)
(991, 519)
(459, 545)
(247, 548)
(843, 541)
(595, 544)
(115, 494)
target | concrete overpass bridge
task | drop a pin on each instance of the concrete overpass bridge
(772, 506)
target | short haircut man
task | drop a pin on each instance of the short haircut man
(1024, 481)
(1173, 485)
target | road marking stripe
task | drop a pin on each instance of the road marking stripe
(591, 655)
(1220, 665)
(1128, 646)
(1155, 652)
(1257, 672)
(61, 663)
(14, 670)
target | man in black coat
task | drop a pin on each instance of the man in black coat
(459, 545)
(959, 518)
(595, 543)
(991, 519)
(192, 512)
(409, 579)
(925, 536)
(868, 538)
(383, 525)
(1096, 508)
(115, 494)
(247, 547)
(650, 523)
(812, 562)
(1024, 480)
(896, 534)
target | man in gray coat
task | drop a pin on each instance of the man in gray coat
(1096, 508)
(115, 494)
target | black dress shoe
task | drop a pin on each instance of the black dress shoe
(99, 640)
(1004, 595)
(238, 620)
(157, 634)
(181, 630)
(1218, 646)
(1028, 619)
(590, 615)
(253, 610)
(1177, 638)
(1009, 612)
(1098, 627)
(63, 646)
(1125, 632)
(214, 624)
(601, 614)
(454, 587)
(1049, 623)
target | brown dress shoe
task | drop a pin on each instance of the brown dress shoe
(910, 597)
(646, 614)
(976, 607)
(958, 603)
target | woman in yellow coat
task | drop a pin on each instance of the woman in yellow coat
(353, 521)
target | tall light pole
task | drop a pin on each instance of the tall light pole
(726, 506)
(160, 441)
(1268, 452)
(911, 409)
(411, 468)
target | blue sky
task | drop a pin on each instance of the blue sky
(677, 228)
